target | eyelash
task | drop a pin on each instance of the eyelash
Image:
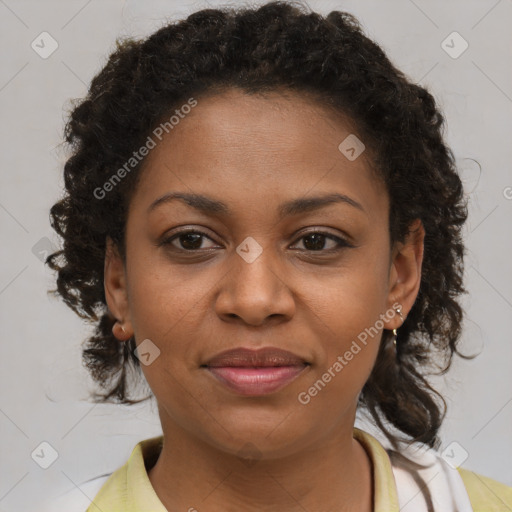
(341, 242)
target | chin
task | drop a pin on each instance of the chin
(263, 436)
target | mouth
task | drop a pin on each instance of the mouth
(256, 372)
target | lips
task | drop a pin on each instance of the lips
(256, 372)
(247, 358)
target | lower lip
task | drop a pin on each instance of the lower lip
(256, 381)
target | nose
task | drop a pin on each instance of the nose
(255, 292)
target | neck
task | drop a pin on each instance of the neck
(334, 474)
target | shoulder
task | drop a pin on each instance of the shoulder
(486, 494)
(419, 470)
(110, 491)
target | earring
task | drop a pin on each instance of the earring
(119, 332)
(399, 311)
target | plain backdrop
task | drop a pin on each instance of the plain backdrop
(43, 386)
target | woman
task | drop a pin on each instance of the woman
(262, 216)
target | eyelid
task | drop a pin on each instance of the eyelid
(344, 237)
(169, 238)
(342, 241)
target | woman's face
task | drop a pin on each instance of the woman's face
(253, 275)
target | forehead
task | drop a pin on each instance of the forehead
(275, 144)
(274, 123)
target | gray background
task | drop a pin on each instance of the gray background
(44, 388)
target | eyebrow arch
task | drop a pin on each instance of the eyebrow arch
(211, 206)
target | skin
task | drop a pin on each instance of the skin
(255, 153)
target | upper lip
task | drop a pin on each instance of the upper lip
(245, 357)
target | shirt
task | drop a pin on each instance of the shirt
(129, 489)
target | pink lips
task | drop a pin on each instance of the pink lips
(256, 372)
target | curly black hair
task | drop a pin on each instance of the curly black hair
(277, 46)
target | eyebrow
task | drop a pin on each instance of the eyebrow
(210, 206)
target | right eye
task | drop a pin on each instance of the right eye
(189, 239)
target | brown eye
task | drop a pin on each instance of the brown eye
(190, 240)
(316, 242)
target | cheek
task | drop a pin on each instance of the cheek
(169, 306)
(161, 298)
(164, 308)
(351, 297)
(348, 353)
(348, 312)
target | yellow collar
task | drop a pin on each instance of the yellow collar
(129, 489)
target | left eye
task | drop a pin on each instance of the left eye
(314, 241)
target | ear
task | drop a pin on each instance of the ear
(116, 293)
(405, 273)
